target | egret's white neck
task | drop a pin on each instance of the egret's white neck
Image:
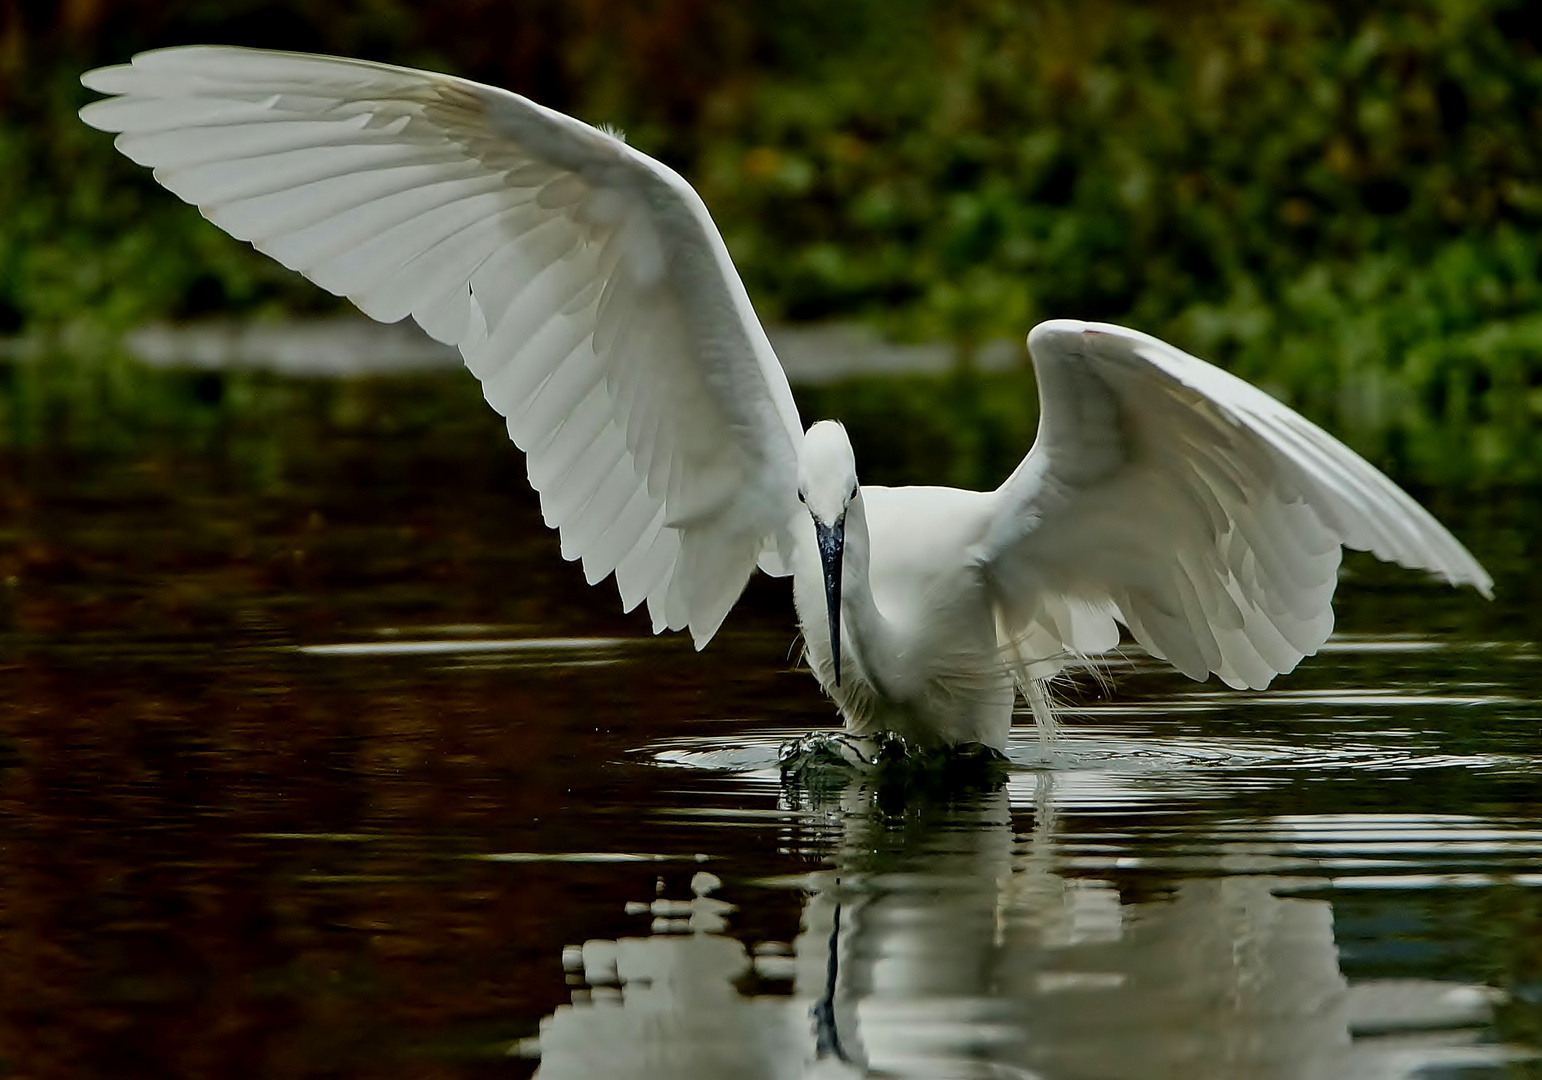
(868, 631)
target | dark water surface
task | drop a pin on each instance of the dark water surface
(315, 760)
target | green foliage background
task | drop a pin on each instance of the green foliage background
(1339, 200)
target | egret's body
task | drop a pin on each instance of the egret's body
(588, 289)
(920, 652)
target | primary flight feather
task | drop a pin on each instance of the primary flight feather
(588, 289)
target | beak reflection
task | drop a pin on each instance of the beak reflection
(832, 544)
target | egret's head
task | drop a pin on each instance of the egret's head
(827, 483)
(827, 472)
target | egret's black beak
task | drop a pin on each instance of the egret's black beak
(832, 544)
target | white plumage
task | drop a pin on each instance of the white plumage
(589, 291)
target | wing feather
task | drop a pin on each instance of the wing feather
(621, 536)
(551, 458)
(1172, 497)
(583, 282)
(586, 522)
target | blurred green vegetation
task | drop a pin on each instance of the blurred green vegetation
(1340, 201)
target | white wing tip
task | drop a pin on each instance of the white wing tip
(1046, 332)
(1475, 576)
(1058, 331)
(105, 80)
(706, 625)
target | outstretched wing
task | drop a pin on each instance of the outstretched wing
(1172, 497)
(583, 282)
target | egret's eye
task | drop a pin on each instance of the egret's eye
(853, 494)
(801, 499)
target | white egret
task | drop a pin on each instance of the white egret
(589, 291)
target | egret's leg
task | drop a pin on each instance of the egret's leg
(1033, 690)
(1043, 713)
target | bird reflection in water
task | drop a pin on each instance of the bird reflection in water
(942, 943)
